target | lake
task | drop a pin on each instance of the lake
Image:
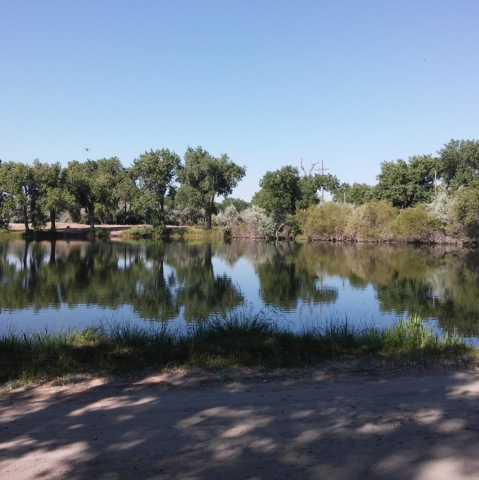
(61, 284)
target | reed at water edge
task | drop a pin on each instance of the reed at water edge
(242, 339)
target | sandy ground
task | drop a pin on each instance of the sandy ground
(75, 228)
(402, 425)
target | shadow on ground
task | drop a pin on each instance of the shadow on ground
(416, 426)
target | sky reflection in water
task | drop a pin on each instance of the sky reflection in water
(80, 283)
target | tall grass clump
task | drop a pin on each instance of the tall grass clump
(242, 337)
(412, 336)
(239, 339)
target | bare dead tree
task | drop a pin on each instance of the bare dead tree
(311, 169)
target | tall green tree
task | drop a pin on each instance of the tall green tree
(459, 162)
(466, 207)
(356, 194)
(280, 191)
(21, 193)
(285, 190)
(204, 177)
(155, 173)
(93, 184)
(238, 203)
(406, 184)
(53, 195)
(127, 192)
(3, 196)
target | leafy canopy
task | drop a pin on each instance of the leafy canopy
(406, 184)
(204, 177)
(155, 173)
(280, 190)
(459, 162)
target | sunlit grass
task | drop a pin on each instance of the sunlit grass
(197, 231)
(145, 231)
(11, 233)
(239, 340)
(139, 232)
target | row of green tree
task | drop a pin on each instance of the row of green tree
(160, 188)
(105, 191)
(427, 198)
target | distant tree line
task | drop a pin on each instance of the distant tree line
(427, 198)
(422, 199)
(158, 187)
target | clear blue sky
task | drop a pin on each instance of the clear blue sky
(269, 82)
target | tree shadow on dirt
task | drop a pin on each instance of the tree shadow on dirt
(421, 425)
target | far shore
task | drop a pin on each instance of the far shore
(114, 233)
(70, 228)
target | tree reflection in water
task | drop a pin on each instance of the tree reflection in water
(164, 281)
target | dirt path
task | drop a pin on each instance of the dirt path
(410, 426)
(76, 228)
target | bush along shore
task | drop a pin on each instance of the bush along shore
(240, 340)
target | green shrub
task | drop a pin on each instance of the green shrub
(161, 230)
(371, 221)
(139, 232)
(250, 222)
(98, 233)
(325, 222)
(227, 218)
(415, 225)
(466, 210)
(440, 205)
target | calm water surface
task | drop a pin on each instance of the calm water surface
(80, 283)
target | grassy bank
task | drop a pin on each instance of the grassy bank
(171, 232)
(10, 233)
(140, 232)
(252, 340)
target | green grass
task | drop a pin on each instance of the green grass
(139, 232)
(245, 339)
(195, 232)
(174, 232)
(98, 233)
(10, 233)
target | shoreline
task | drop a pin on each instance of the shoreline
(67, 230)
(245, 341)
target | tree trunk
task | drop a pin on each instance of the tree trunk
(208, 214)
(52, 221)
(25, 219)
(278, 230)
(91, 217)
